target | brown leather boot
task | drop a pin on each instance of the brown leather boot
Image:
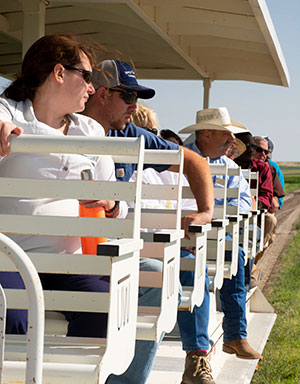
(242, 349)
(197, 369)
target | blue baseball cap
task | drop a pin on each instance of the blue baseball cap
(114, 73)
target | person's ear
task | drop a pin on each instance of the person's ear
(59, 72)
(101, 94)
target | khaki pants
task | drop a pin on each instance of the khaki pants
(270, 226)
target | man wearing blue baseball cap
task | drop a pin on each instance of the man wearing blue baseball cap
(112, 105)
(117, 92)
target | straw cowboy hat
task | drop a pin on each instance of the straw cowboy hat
(239, 146)
(216, 119)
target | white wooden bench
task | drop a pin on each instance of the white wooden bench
(216, 237)
(171, 219)
(227, 221)
(75, 359)
(254, 188)
(235, 220)
(36, 313)
(161, 241)
(253, 180)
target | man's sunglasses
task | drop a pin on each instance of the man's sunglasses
(87, 75)
(260, 150)
(128, 97)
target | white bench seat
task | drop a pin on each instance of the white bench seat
(162, 235)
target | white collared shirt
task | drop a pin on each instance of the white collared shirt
(50, 166)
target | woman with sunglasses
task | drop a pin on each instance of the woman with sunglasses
(54, 84)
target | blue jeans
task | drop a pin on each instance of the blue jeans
(233, 302)
(92, 324)
(194, 326)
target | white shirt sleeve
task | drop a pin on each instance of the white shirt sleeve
(5, 111)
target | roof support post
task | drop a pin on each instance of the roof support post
(206, 85)
(34, 22)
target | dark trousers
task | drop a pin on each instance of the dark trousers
(16, 319)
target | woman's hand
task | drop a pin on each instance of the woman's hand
(6, 129)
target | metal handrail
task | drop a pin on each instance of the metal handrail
(36, 311)
(2, 328)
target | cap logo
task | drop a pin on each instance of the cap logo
(130, 74)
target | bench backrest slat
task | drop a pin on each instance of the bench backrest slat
(65, 189)
(66, 226)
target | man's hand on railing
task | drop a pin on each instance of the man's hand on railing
(200, 218)
(6, 129)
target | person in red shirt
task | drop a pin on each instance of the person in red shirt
(261, 153)
(265, 196)
(247, 161)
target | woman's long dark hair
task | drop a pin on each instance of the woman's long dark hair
(41, 58)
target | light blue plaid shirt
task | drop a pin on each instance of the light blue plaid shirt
(245, 198)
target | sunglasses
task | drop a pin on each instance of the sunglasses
(128, 97)
(260, 150)
(250, 146)
(87, 75)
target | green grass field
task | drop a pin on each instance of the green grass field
(281, 363)
(291, 182)
(291, 173)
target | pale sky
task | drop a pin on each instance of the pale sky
(265, 109)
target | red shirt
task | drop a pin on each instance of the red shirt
(265, 188)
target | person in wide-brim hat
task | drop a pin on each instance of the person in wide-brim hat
(215, 119)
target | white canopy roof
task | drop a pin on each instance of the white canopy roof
(166, 39)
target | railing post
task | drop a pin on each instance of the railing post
(2, 329)
(36, 312)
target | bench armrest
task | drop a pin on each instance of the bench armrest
(162, 236)
(197, 228)
(234, 218)
(119, 247)
(217, 223)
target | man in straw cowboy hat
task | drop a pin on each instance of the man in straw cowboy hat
(214, 135)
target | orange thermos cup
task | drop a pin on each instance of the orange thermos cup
(89, 244)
